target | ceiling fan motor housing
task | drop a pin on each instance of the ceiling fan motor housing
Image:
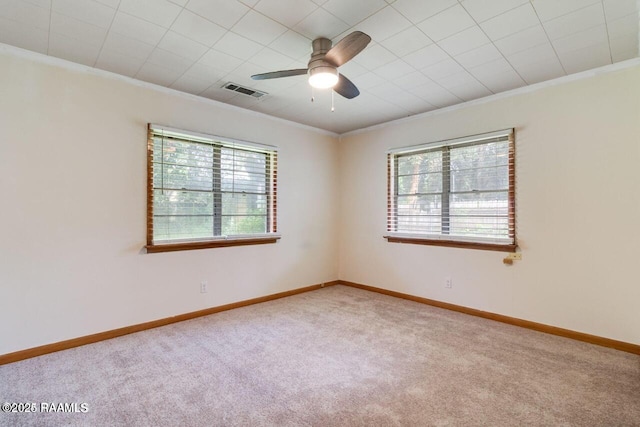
(317, 63)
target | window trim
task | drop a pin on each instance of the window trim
(451, 243)
(219, 243)
(443, 239)
(215, 241)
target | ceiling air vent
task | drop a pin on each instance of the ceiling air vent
(244, 90)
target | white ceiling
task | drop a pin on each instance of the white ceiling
(424, 54)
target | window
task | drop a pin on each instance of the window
(204, 191)
(457, 193)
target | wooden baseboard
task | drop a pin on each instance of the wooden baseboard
(567, 333)
(101, 336)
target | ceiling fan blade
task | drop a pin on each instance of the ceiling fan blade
(346, 88)
(347, 48)
(278, 74)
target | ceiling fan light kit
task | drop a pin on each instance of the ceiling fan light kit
(323, 77)
(324, 62)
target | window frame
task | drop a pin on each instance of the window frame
(441, 239)
(215, 241)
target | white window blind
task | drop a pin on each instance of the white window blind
(460, 190)
(204, 187)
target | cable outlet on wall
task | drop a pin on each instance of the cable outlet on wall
(448, 283)
(203, 287)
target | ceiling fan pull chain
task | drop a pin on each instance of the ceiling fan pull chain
(332, 108)
(313, 98)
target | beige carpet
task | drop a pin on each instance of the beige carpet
(334, 357)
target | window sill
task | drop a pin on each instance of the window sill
(222, 243)
(452, 243)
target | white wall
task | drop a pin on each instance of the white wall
(577, 201)
(72, 216)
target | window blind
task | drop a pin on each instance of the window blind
(459, 190)
(203, 187)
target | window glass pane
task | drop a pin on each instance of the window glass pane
(251, 161)
(182, 203)
(420, 184)
(239, 181)
(419, 205)
(419, 214)
(480, 214)
(428, 162)
(183, 178)
(419, 224)
(180, 227)
(182, 152)
(243, 171)
(420, 173)
(480, 167)
(186, 165)
(244, 204)
(480, 179)
(243, 224)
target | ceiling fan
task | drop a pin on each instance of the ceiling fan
(323, 65)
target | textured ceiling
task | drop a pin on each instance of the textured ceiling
(424, 54)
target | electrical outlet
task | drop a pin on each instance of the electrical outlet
(515, 256)
(448, 283)
(203, 287)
